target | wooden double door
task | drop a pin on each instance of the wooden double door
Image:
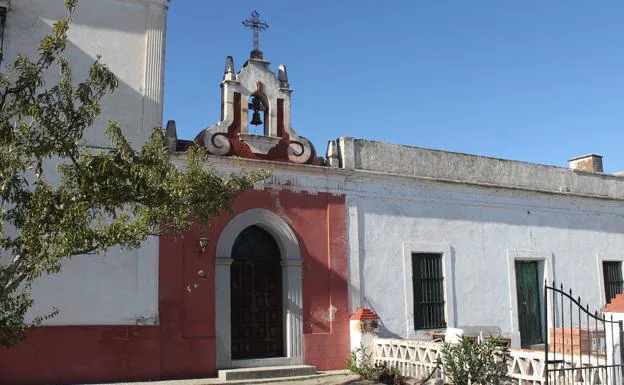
(256, 296)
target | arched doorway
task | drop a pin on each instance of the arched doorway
(256, 296)
(292, 294)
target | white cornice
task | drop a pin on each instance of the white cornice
(338, 173)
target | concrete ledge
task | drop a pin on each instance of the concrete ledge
(455, 167)
(262, 362)
(320, 378)
(266, 372)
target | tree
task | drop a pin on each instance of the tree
(93, 199)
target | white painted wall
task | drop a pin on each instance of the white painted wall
(484, 230)
(119, 287)
(480, 230)
(128, 34)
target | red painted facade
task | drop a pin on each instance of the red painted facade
(183, 344)
(82, 354)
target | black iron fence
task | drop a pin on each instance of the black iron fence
(580, 346)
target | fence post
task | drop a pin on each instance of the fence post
(615, 312)
(620, 324)
(546, 334)
(363, 325)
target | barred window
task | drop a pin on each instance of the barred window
(428, 284)
(3, 12)
(613, 282)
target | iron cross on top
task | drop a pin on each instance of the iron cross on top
(256, 25)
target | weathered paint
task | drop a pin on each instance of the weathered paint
(589, 163)
(372, 158)
(482, 214)
(183, 345)
(232, 136)
(83, 354)
(326, 340)
(319, 224)
(363, 328)
(129, 35)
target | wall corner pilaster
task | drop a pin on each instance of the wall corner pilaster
(153, 88)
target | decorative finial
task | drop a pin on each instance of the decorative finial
(229, 69)
(256, 26)
(171, 135)
(282, 75)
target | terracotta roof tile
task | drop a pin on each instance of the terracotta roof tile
(362, 314)
(616, 305)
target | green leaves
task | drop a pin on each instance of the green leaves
(59, 198)
(472, 362)
(361, 362)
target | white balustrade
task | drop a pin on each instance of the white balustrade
(417, 359)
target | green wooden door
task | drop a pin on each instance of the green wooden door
(528, 294)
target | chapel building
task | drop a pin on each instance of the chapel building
(427, 239)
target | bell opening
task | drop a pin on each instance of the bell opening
(257, 114)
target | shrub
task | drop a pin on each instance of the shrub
(361, 363)
(472, 362)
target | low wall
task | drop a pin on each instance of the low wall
(417, 359)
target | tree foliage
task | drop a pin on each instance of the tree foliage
(89, 200)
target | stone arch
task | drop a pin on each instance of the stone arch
(271, 222)
(292, 298)
(266, 115)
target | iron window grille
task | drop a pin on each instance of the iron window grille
(613, 282)
(3, 13)
(428, 286)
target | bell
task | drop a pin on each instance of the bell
(255, 119)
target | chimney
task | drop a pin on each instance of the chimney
(588, 163)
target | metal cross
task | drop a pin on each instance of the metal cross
(256, 25)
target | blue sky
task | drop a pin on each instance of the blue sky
(533, 80)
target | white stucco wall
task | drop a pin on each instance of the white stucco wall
(119, 287)
(480, 230)
(129, 36)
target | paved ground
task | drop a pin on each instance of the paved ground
(339, 377)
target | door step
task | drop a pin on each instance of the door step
(266, 372)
